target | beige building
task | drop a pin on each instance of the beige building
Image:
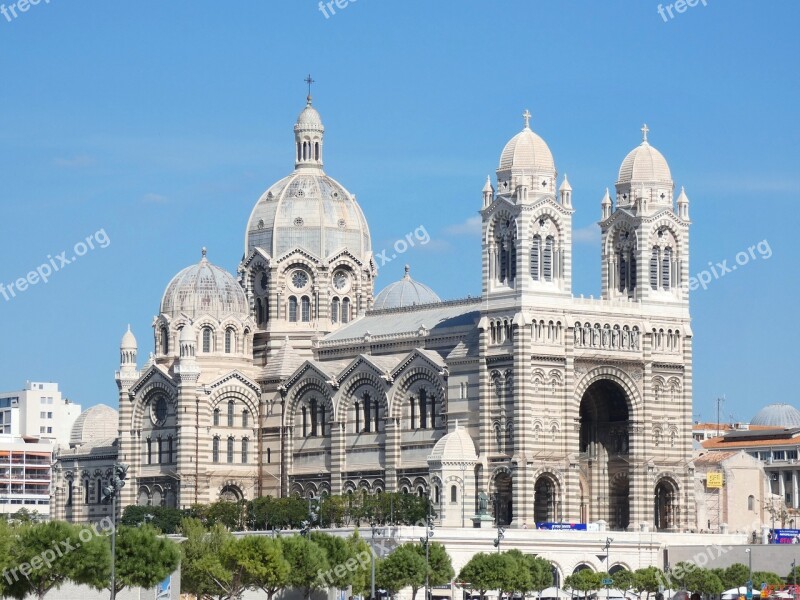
(292, 379)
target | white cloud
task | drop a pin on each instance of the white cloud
(75, 162)
(154, 199)
(587, 235)
(472, 226)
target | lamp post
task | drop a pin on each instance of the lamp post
(375, 531)
(607, 549)
(750, 573)
(110, 493)
(426, 542)
(794, 579)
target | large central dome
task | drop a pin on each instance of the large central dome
(308, 210)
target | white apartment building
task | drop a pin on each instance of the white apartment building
(38, 411)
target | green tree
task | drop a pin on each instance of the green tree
(200, 552)
(541, 572)
(263, 561)
(735, 576)
(704, 581)
(338, 552)
(583, 581)
(40, 568)
(623, 580)
(402, 568)
(306, 561)
(648, 580)
(521, 580)
(792, 574)
(7, 539)
(767, 577)
(230, 515)
(143, 558)
(164, 519)
(362, 575)
(486, 571)
(440, 567)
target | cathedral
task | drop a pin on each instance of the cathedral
(293, 377)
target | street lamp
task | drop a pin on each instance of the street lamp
(110, 493)
(375, 531)
(750, 573)
(607, 549)
(426, 542)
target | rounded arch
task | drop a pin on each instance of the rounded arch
(352, 386)
(582, 566)
(239, 394)
(619, 566)
(297, 395)
(616, 375)
(410, 383)
(501, 217)
(231, 491)
(152, 392)
(666, 494)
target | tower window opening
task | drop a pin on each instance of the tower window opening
(666, 269)
(335, 310)
(306, 309)
(206, 339)
(292, 309)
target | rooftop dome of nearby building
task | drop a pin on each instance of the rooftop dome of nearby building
(96, 423)
(405, 292)
(527, 152)
(455, 446)
(777, 415)
(644, 164)
(204, 288)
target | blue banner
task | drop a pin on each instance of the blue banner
(786, 536)
(562, 526)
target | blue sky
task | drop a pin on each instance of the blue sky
(161, 123)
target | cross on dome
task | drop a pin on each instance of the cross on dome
(309, 81)
(527, 116)
(645, 129)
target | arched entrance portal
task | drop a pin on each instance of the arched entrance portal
(231, 493)
(604, 452)
(502, 499)
(545, 500)
(664, 509)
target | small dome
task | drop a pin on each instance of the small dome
(204, 289)
(128, 341)
(405, 292)
(526, 151)
(95, 423)
(644, 164)
(309, 118)
(777, 415)
(455, 446)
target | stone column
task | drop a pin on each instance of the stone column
(393, 433)
(338, 458)
(522, 485)
(795, 503)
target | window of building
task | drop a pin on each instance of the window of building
(160, 450)
(42, 429)
(306, 309)
(230, 450)
(170, 456)
(42, 415)
(49, 430)
(231, 410)
(216, 417)
(228, 341)
(149, 451)
(269, 455)
(245, 417)
(346, 310)
(335, 310)
(245, 448)
(206, 339)
(86, 491)
(791, 454)
(215, 450)
(49, 415)
(453, 494)
(292, 309)
(69, 492)
(779, 455)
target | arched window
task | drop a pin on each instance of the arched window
(86, 491)
(423, 410)
(245, 448)
(160, 443)
(215, 450)
(259, 311)
(436, 498)
(245, 417)
(228, 340)
(655, 258)
(335, 310)
(216, 417)
(206, 339)
(299, 152)
(547, 258)
(536, 251)
(164, 340)
(357, 406)
(149, 451)
(666, 269)
(292, 309)
(306, 312)
(751, 502)
(69, 492)
(345, 310)
(230, 450)
(453, 494)
(413, 406)
(170, 455)
(313, 417)
(269, 455)
(322, 421)
(367, 413)
(231, 410)
(99, 490)
(316, 150)
(304, 421)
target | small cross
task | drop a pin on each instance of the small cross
(309, 81)
(527, 116)
(645, 129)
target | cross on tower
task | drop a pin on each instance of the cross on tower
(527, 116)
(645, 129)
(309, 81)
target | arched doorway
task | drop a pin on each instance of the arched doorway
(581, 567)
(664, 505)
(545, 500)
(556, 575)
(503, 498)
(604, 446)
(231, 493)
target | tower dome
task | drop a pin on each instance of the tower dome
(528, 157)
(644, 173)
(128, 341)
(204, 288)
(308, 209)
(405, 292)
(777, 415)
